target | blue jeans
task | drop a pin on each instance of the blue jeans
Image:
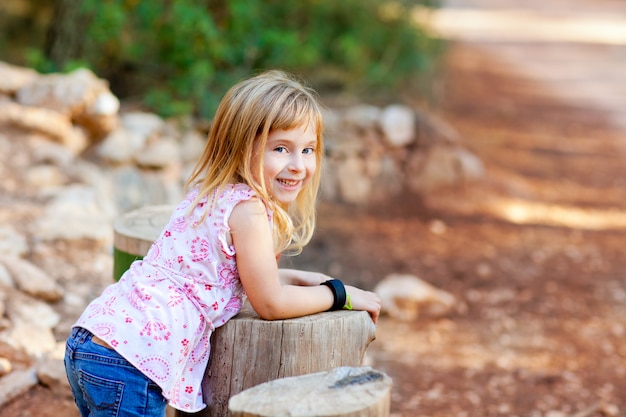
(104, 384)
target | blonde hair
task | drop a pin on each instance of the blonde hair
(247, 114)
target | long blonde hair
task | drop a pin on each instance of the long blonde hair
(247, 114)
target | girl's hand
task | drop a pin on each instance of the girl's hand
(364, 300)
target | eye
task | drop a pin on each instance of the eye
(308, 151)
(280, 149)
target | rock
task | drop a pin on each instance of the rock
(51, 373)
(51, 153)
(16, 383)
(137, 188)
(24, 309)
(74, 213)
(31, 338)
(388, 179)
(441, 166)
(51, 370)
(5, 366)
(405, 297)
(432, 130)
(80, 95)
(120, 146)
(105, 104)
(32, 280)
(3, 297)
(363, 117)
(12, 242)
(47, 121)
(354, 185)
(398, 125)
(45, 176)
(346, 145)
(470, 166)
(12, 77)
(5, 279)
(158, 154)
(142, 123)
(191, 147)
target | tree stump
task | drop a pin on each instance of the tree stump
(134, 233)
(247, 350)
(340, 392)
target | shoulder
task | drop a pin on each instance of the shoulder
(247, 212)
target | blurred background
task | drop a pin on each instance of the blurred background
(179, 57)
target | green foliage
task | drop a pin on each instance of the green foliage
(182, 55)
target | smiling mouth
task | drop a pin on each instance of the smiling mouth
(288, 183)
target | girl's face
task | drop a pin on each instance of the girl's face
(289, 162)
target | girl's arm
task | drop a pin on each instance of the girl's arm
(299, 277)
(259, 273)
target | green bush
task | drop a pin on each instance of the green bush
(180, 56)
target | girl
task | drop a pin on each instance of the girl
(145, 341)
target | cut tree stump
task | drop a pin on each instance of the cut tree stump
(247, 350)
(340, 392)
(133, 234)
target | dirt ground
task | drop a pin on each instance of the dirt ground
(534, 253)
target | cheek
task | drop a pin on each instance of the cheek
(311, 166)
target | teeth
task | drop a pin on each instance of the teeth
(288, 182)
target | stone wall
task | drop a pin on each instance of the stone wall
(373, 153)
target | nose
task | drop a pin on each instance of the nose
(296, 163)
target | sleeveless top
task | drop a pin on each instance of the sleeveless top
(160, 314)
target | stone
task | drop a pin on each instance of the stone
(13, 77)
(3, 297)
(31, 338)
(432, 130)
(12, 242)
(346, 144)
(24, 309)
(51, 370)
(158, 153)
(74, 213)
(50, 122)
(470, 166)
(439, 166)
(80, 95)
(405, 297)
(388, 179)
(45, 176)
(6, 282)
(362, 116)
(354, 185)
(398, 125)
(143, 124)
(68, 93)
(191, 147)
(5, 366)
(17, 383)
(32, 280)
(120, 146)
(105, 104)
(51, 153)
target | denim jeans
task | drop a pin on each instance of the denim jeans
(104, 384)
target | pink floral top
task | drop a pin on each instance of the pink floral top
(161, 313)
